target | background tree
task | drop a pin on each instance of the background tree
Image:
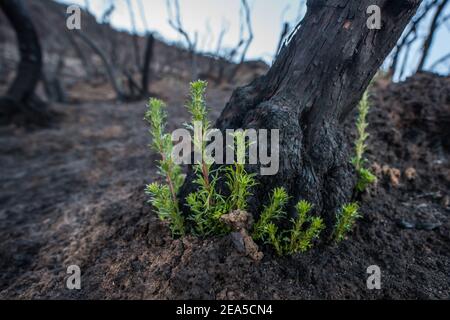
(247, 42)
(20, 102)
(117, 72)
(317, 79)
(173, 8)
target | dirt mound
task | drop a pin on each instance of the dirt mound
(74, 195)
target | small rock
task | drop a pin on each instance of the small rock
(403, 224)
(240, 222)
(445, 201)
(376, 169)
(428, 226)
(410, 174)
(393, 174)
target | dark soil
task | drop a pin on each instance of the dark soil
(73, 194)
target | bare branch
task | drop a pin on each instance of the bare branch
(176, 23)
(106, 16)
(440, 61)
(87, 6)
(249, 29)
(143, 17)
(249, 41)
(412, 30)
(284, 33)
(431, 34)
(223, 32)
(135, 36)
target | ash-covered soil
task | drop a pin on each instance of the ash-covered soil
(73, 194)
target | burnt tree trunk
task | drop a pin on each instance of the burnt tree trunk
(316, 80)
(20, 104)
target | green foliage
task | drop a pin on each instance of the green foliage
(365, 177)
(301, 240)
(164, 198)
(197, 104)
(305, 229)
(345, 220)
(272, 212)
(274, 238)
(238, 181)
(206, 204)
(161, 199)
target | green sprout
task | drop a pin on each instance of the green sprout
(274, 238)
(345, 219)
(365, 177)
(206, 204)
(301, 240)
(238, 181)
(272, 212)
(164, 198)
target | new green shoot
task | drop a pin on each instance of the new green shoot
(365, 177)
(345, 219)
(164, 197)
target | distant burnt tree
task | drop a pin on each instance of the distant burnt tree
(20, 103)
(318, 78)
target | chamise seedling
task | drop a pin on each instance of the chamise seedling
(164, 197)
(206, 204)
(239, 182)
(345, 220)
(274, 211)
(305, 228)
(302, 240)
(365, 177)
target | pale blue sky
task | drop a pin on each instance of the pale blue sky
(267, 17)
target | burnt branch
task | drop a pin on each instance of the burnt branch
(176, 23)
(431, 35)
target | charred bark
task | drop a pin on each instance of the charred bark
(20, 104)
(316, 80)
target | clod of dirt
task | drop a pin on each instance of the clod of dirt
(238, 220)
(376, 169)
(410, 174)
(393, 174)
(241, 221)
